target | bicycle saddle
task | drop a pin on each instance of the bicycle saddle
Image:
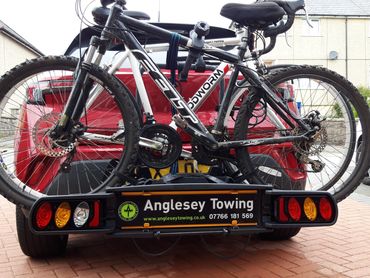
(259, 15)
(101, 14)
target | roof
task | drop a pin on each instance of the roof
(14, 35)
(355, 8)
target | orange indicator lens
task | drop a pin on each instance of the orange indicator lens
(62, 215)
(310, 209)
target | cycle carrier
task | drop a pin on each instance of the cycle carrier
(183, 206)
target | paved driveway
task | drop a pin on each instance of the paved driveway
(339, 251)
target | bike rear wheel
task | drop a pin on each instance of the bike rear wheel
(32, 98)
(326, 162)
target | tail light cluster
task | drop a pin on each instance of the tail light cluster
(67, 215)
(305, 209)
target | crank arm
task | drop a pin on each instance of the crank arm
(143, 142)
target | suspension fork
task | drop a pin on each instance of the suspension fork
(83, 84)
(77, 96)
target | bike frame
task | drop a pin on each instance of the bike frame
(186, 118)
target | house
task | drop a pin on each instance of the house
(339, 39)
(14, 49)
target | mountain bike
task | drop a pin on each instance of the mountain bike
(93, 116)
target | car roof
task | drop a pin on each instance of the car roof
(82, 40)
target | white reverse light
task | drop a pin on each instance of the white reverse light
(81, 214)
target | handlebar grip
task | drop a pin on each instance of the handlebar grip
(274, 31)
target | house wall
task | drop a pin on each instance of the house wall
(12, 53)
(315, 49)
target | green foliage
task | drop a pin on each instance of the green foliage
(365, 92)
(337, 111)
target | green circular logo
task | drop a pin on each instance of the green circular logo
(128, 211)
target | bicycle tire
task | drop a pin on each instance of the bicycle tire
(342, 180)
(34, 165)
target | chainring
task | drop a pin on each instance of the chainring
(46, 145)
(172, 146)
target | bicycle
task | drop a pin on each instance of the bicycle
(97, 115)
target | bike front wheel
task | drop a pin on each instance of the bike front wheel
(327, 161)
(32, 99)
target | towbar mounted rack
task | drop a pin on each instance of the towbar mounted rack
(182, 209)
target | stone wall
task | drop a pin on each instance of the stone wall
(336, 131)
(8, 126)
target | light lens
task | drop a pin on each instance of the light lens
(310, 209)
(81, 214)
(62, 215)
(282, 215)
(95, 221)
(294, 209)
(326, 210)
(44, 215)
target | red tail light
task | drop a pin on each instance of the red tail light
(326, 210)
(294, 209)
(95, 221)
(282, 215)
(43, 215)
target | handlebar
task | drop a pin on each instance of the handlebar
(290, 8)
(280, 28)
(105, 3)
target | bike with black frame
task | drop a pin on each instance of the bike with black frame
(64, 133)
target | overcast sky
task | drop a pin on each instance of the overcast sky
(50, 25)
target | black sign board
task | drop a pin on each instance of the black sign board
(174, 209)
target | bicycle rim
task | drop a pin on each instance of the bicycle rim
(33, 98)
(328, 162)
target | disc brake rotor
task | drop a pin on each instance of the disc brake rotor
(42, 140)
(315, 145)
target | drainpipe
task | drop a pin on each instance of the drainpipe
(346, 45)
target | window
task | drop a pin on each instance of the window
(308, 30)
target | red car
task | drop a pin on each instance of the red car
(45, 172)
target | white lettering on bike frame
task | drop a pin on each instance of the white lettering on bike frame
(168, 90)
(204, 91)
(201, 94)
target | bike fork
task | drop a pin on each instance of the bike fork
(78, 95)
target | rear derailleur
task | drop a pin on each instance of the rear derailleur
(316, 142)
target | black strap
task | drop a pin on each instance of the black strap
(172, 54)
